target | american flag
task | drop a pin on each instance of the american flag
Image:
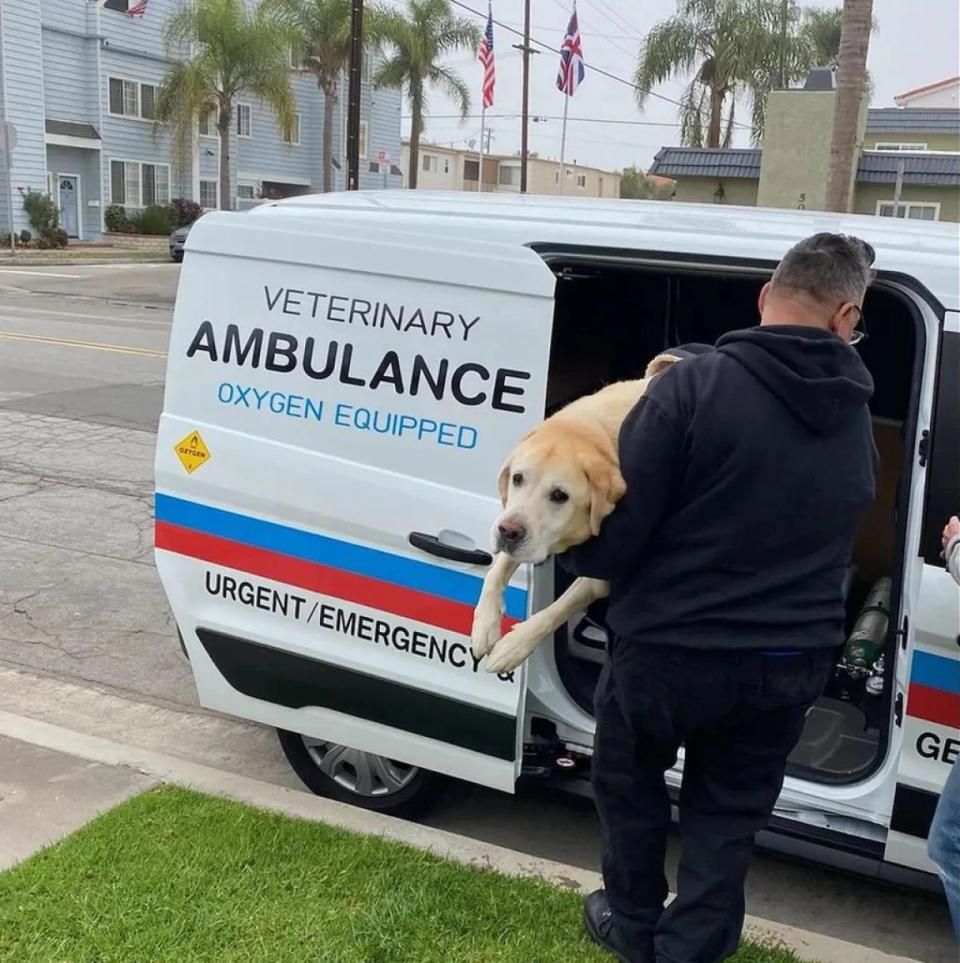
(485, 56)
(137, 10)
(570, 74)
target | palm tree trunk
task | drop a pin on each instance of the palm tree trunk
(223, 126)
(851, 84)
(329, 98)
(416, 124)
(716, 116)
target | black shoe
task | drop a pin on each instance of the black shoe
(598, 917)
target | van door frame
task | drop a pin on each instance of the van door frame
(906, 288)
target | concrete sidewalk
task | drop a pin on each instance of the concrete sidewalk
(60, 777)
(45, 795)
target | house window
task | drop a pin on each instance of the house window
(508, 176)
(121, 6)
(884, 145)
(446, 165)
(581, 180)
(363, 138)
(207, 124)
(299, 56)
(913, 210)
(246, 192)
(471, 170)
(208, 194)
(430, 163)
(136, 184)
(294, 137)
(366, 68)
(244, 128)
(129, 98)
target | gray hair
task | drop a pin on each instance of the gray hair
(829, 268)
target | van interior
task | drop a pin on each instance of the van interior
(611, 317)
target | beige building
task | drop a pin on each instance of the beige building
(450, 169)
(944, 93)
(919, 147)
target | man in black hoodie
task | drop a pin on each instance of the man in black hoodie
(748, 469)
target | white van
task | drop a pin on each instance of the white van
(346, 374)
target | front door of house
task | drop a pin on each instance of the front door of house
(69, 208)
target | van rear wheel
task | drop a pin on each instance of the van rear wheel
(359, 778)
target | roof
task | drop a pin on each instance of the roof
(876, 167)
(66, 128)
(706, 162)
(880, 167)
(914, 120)
(928, 88)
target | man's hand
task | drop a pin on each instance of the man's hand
(951, 530)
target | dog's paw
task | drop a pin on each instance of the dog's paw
(485, 632)
(513, 649)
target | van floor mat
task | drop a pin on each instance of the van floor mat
(835, 739)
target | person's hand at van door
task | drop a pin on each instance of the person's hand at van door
(951, 547)
(747, 471)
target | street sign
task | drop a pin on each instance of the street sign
(8, 137)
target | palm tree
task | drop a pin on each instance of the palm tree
(419, 39)
(323, 28)
(233, 51)
(851, 89)
(733, 48)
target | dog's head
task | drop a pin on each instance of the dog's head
(559, 484)
(557, 487)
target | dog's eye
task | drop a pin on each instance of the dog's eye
(558, 496)
(518, 478)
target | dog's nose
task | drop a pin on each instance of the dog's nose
(511, 533)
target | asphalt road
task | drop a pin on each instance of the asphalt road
(82, 354)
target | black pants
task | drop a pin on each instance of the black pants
(738, 716)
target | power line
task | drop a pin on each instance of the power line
(536, 117)
(593, 67)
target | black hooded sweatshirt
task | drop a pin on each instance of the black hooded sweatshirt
(748, 469)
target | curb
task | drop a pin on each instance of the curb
(299, 804)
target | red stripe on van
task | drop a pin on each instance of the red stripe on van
(934, 705)
(370, 592)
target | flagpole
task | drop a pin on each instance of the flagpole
(483, 131)
(563, 141)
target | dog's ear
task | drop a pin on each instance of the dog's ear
(503, 482)
(607, 487)
(660, 363)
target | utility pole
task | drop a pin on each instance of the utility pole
(525, 111)
(353, 96)
(785, 12)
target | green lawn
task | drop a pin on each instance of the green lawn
(179, 877)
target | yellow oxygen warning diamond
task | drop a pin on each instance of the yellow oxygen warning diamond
(192, 452)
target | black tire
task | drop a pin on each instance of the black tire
(176, 258)
(419, 791)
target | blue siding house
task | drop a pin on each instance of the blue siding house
(78, 80)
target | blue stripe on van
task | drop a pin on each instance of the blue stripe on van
(936, 671)
(410, 573)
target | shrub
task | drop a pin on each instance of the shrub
(44, 242)
(43, 213)
(154, 220)
(185, 211)
(58, 237)
(4, 240)
(115, 217)
(25, 237)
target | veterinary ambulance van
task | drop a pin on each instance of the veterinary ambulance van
(347, 373)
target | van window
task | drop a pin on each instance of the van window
(943, 466)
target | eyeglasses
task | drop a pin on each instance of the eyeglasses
(860, 329)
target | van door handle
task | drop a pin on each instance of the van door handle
(433, 545)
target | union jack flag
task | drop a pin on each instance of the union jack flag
(137, 10)
(485, 56)
(571, 72)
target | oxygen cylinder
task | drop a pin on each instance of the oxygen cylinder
(865, 644)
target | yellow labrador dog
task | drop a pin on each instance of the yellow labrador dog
(557, 487)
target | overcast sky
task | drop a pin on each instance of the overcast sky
(916, 43)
